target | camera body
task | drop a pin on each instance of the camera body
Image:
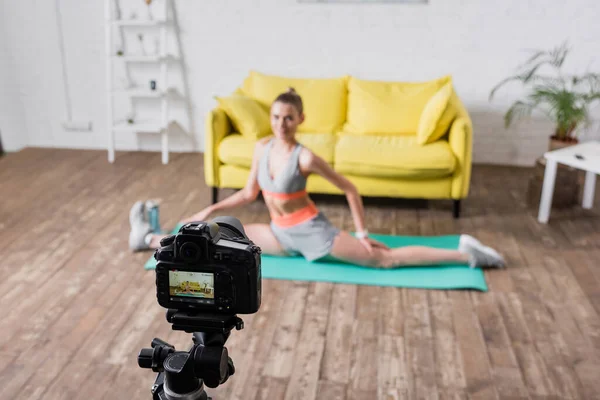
(209, 267)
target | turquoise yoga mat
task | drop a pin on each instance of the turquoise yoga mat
(447, 276)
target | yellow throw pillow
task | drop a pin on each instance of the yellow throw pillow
(378, 107)
(246, 87)
(324, 99)
(438, 114)
(248, 116)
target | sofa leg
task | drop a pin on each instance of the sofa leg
(456, 208)
(215, 194)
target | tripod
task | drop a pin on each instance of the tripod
(182, 375)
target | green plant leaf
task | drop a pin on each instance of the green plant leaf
(559, 54)
(590, 97)
(518, 110)
(565, 99)
(502, 83)
(537, 55)
(592, 80)
(529, 77)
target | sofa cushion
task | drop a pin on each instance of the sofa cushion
(438, 114)
(237, 150)
(377, 107)
(392, 157)
(324, 100)
(231, 176)
(248, 116)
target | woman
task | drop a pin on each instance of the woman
(279, 169)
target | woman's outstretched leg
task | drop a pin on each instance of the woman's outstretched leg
(140, 230)
(141, 236)
(260, 234)
(349, 249)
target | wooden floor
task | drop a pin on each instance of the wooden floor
(77, 306)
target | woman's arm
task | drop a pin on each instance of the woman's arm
(243, 196)
(317, 165)
(249, 193)
(239, 198)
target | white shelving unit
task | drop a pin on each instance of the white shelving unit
(164, 94)
(140, 23)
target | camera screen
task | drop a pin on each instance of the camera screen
(196, 286)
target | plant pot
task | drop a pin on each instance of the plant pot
(555, 143)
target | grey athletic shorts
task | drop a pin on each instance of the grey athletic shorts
(313, 239)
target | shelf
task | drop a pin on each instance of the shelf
(140, 22)
(147, 93)
(142, 126)
(142, 58)
(138, 92)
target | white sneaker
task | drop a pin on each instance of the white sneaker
(138, 213)
(480, 255)
(139, 227)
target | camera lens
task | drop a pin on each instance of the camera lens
(190, 252)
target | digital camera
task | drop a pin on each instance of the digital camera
(209, 267)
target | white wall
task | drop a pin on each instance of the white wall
(478, 42)
(13, 131)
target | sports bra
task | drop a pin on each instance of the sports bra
(289, 182)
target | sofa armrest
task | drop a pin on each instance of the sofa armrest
(217, 126)
(460, 139)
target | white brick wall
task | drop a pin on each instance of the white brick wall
(477, 42)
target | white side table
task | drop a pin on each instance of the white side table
(589, 162)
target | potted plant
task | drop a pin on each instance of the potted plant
(564, 98)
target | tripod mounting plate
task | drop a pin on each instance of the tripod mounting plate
(203, 322)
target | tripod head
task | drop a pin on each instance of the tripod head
(182, 374)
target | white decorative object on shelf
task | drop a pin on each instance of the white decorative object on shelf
(116, 10)
(130, 117)
(142, 47)
(126, 84)
(149, 11)
(155, 49)
(151, 51)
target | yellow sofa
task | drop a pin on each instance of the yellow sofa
(391, 139)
